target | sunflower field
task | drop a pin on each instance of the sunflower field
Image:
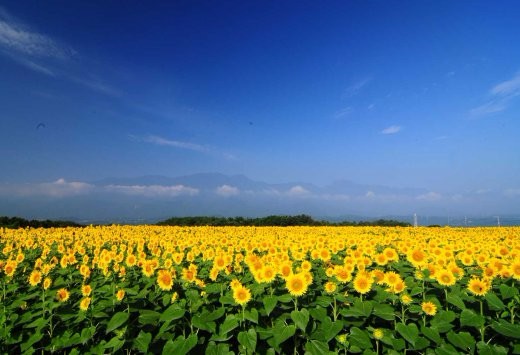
(265, 290)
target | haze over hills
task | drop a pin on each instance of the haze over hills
(152, 198)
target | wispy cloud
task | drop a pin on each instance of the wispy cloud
(343, 112)
(45, 55)
(161, 141)
(298, 190)
(17, 37)
(430, 196)
(153, 190)
(355, 88)
(57, 189)
(227, 191)
(391, 130)
(174, 143)
(501, 96)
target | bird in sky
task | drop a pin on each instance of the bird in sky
(40, 125)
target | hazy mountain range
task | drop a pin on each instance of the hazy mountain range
(152, 198)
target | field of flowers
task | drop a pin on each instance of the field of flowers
(267, 290)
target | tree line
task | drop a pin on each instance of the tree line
(275, 220)
(17, 222)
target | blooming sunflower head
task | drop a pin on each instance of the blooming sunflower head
(85, 303)
(330, 287)
(429, 308)
(35, 278)
(62, 295)
(241, 295)
(296, 284)
(478, 287)
(165, 280)
(362, 283)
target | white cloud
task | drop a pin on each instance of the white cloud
(15, 37)
(501, 96)
(227, 191)
(391, 130)
(343, 112)
(430, 196)
(507, 87)
(58, 188)
(353, 89)
(173, 143)
(153, 190)
(297, 191)
(370, 194)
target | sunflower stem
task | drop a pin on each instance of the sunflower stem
(446, 298)
(482, 328)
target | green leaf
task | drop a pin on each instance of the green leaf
(248, 340)
(507, 291)
(421, 343)
(33, 339)
(359, 309)
(181, 345)
(115, 344)
(462, 340)
(214, 315)
(384, 311)
(201, 323)
(318, 313)
(507, 329)
(489, 349)
(316, 347)
(442, 321)
(324, 301)
(251, 315)
(142, 341)
(469, 318)
(87, 334)
(327, 330)
(300, 318)
(269, 303)
(172, 313)
(148, 317)
(431, 333)
(409, 332)
(359, 338)
(220, 349)
(116, 321)
(285, 298)
(494, 303)
(446, 349)
(230, 323)
(283, 332)
(456, 301)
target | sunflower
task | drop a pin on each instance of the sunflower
(445, 278)
(406, 299)
(378, 333)
(47, 283)
(241, 295)
(417, 257)
(120, 294)
(235, 284)
(478, 287)
(85, 303)
(35, 278)
(362, 283)
(429, 308)
(165, 280)
(330, 287)
(86, 290)
(398, 287)
(268, 274)
(391, 278)
(515, 270)
(130, 260)
(62, 295)
(342, 274)
(296, 284)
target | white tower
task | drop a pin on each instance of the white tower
(415, 220)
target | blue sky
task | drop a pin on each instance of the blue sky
(407, 94)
